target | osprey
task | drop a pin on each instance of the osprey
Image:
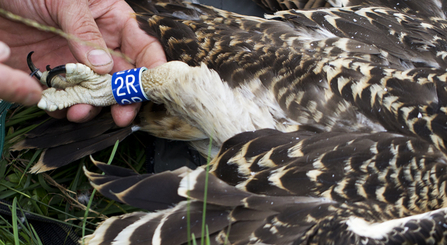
(328, 125)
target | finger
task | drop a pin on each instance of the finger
(82, 113)
(122, 32)
(4, 52)
(123, 115)
(76, 19)
(17, 86)
(59, 114)
(121, 64)
(147, 51)
(78, 113)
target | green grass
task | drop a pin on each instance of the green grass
(54, 195)
(205, 196)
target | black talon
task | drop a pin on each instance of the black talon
(54, 72)
(51, 72)
(34, 70)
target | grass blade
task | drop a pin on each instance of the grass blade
(15, 227)
(4, 106)
(205, 194)
(94, 191)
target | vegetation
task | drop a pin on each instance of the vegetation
(61, 195)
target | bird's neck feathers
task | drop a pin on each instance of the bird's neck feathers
(198, 96)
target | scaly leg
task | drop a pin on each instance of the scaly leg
(197, 95)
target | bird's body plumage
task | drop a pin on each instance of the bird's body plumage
(329, 126)
(339, 69)
(303, 187)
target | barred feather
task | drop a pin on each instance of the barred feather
(339, 69)
(366, 163)
(301, 187)
(345, 141)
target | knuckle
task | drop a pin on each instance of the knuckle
(87, 30)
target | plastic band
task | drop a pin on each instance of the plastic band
(127, 88)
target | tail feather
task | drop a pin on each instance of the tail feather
(194, 184)
(62, 155)
(64, 142)
(56, 132)
(230, 213)
(113, 171)
(217, 218)
(148, 191)
(110, 228)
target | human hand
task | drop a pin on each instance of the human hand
(103, 23)
(16, 85)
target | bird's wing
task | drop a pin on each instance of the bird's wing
(345, 69)
(231, 214)
(277, 5)
(299, 68)
(427, 9)
(299, 187)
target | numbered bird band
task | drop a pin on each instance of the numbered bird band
(127, 87)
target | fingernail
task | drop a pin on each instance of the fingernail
(99, 57)
(4, 51)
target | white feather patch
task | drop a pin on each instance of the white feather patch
(380, 230)
(199, 96)
(125, 235)
(188, 182)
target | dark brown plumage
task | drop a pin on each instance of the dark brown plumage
(337, 69)
(277, 5)
(355, 147)
(302, 187)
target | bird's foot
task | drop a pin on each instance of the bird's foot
(80, 85)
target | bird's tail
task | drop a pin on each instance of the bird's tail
(65, 142)
(179, 196)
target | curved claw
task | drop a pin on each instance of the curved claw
(54, 72)
(34, 71)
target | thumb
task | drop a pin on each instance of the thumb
(15, 85)
(75, 18)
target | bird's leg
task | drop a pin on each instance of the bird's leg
(196, 94)
(81, 85)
